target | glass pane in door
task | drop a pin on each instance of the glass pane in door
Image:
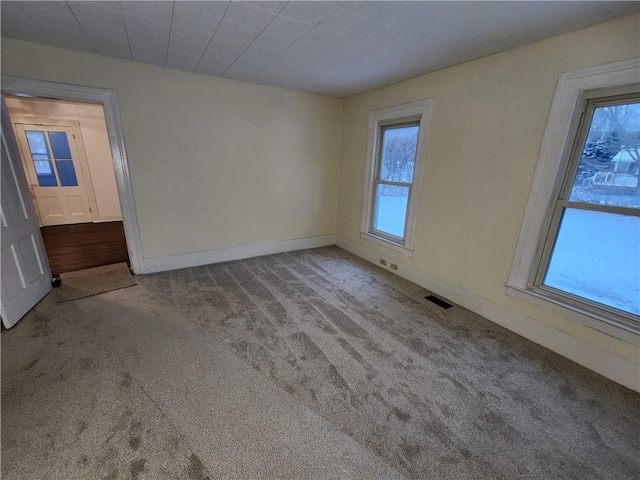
(67, 173)
(38, 145)
(41, 158)
(60, 145)
(62, 155)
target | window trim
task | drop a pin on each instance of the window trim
(415, 112)
(559, 137)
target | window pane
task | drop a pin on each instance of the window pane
(608, 170)
(597, 256)
(67, 173)
(398, 153)
(59, 145)
(391, 209)
(38, 145)
(43, 167)
(44, 171)
(47, 180)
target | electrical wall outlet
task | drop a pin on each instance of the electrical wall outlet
(394, 266)
(383, 261)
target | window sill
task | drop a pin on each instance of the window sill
(609, 326)
(396, 247)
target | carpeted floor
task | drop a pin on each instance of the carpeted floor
(354, 375)
(71, 409)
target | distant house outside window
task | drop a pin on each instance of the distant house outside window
(397, 139)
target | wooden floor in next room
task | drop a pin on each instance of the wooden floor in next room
(84, 245)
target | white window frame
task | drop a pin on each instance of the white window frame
(558, 139)
(409, 112)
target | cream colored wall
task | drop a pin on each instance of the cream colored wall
(215, 163)
(486, 129)
(96, 143)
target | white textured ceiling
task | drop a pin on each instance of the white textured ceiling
(326, 47)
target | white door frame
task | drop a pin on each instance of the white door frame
(109, 101)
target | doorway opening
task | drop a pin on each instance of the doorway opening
(72, 150)
(65, 153)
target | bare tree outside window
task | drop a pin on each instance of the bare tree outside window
(397, 166)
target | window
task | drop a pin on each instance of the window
(579, 248)
(592, 250)
(39, 148)
(396, 155)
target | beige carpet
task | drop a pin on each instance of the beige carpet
(441, 394)
(92, 281)
(72, 411)
(121, 386)
(305, 365)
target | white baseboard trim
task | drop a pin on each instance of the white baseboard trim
(185, 260)
(607, 364)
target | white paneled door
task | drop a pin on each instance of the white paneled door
(52, 162)
(26, 276)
